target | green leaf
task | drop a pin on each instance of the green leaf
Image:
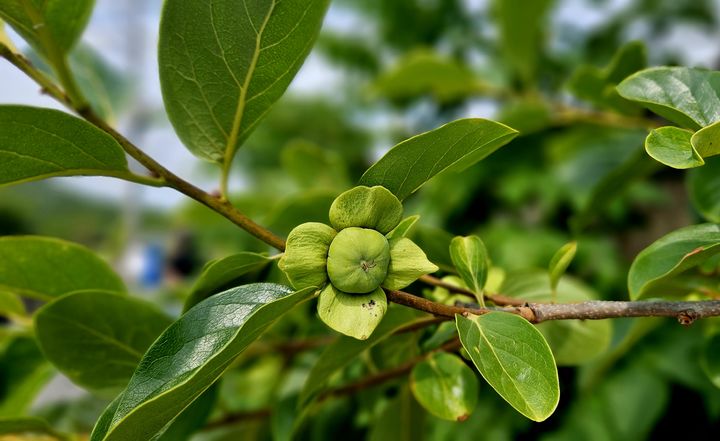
(342, 352)
(402, 419)
(445, 386)
(514, 359)
(671, 255)
(573, 342)
(706, 141)
(704, 189)
(355, 315)
(673, 147)
(471, 261)
(688, 97)
(710, 358)
(598, 85)
(23, 374)
(424, 72)
(403, 228)
(28, 425)
(521, 36)
(560, 262)
(218, 274)
(191, 355)
(49, 26)
(192, 418)
(313, 167)
(40, 143)
(96, 338)
(10, 304)
(224, 63)
(455, 146)
(44, 268)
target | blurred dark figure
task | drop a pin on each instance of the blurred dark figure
(183, 259)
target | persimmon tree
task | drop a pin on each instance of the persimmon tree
(222, 66)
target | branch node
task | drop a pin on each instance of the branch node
(687, 317)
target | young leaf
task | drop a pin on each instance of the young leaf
(705, 141)
(560, 262)
(514, 359)
(672, 254)
(51, 26)
(456, 146)
(471, 261)
(445, 386)
(224, 63)
(191, 355)
(704, 189)
(44, 268)
(673, 147)
(97, 338)
(686, 96)
(40, 143)
(219, 273)
(344, 350)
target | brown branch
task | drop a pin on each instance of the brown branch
(217, 204)
(497, 299)
(685, 312)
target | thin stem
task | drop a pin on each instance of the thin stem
(497, 299)
(684, 312)
(218, 204)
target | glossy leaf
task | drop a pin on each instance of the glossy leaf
(44, 268)
(23, 374)
(560, 262)
(672, 146)
(224, 63)
(192, 418)
(471, 261)
(218, 274)
(514, 359)
(454, 146)
(671, 255)
(342, 352)
(24, 426)
(51, 26)
(191, 355)
(704, 189)
(96, 338)
(38, 143)
(445, 386)
(573, 342)
(686, 96)
(706, 141)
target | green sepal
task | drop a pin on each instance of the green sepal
(407, 263)
(305, 257)
(367, 207)
(355, 315)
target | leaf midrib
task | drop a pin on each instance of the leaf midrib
(240, 110)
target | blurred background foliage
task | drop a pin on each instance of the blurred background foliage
(384, 71)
